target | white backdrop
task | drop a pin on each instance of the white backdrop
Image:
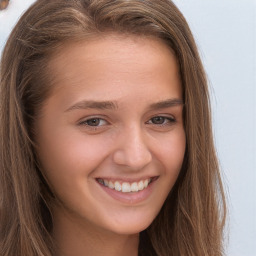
(225, 31)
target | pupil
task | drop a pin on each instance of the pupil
(158, 120)
(93, 122)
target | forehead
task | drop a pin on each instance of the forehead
(114, 61)
(110, 48)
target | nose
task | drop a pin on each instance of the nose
(132, 150)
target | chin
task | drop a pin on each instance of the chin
(131, 225)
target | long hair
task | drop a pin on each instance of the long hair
(192, 218)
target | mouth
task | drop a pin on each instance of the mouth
(125, 186)
(127, 191)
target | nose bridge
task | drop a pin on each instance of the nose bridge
(132, 150)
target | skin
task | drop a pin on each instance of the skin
(4, 4)
(126, 140)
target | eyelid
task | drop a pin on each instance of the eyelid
(171, 120)
(167, 116)
(82, 122)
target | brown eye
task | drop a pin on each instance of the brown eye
(158, 120)
(161, 120)
(93, 122)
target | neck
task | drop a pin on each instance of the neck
(80, 238)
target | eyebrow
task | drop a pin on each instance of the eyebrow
(110, 105)
(166, 104)
(90, 104)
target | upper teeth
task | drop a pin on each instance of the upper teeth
(125, 186)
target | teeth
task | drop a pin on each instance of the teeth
(141, 185)
(110, 185)
(118, 186)
(126, 187)
(146, 183)
(101, 181)
(134, 187)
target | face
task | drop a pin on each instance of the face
(110, 136)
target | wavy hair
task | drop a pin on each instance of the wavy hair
(192, 218)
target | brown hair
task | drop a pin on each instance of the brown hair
(192, 219)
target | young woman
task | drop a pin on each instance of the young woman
(106, 141)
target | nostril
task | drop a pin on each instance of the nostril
(133, 159)
(132, 150)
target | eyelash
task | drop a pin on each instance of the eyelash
(85, 122)
(167, 122)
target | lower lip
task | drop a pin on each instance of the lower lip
(130, 197)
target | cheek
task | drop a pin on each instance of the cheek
(66, 155)
(171, 152)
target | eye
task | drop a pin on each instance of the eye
(94, 122)
(161, 120)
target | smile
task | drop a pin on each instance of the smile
(125, 187)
